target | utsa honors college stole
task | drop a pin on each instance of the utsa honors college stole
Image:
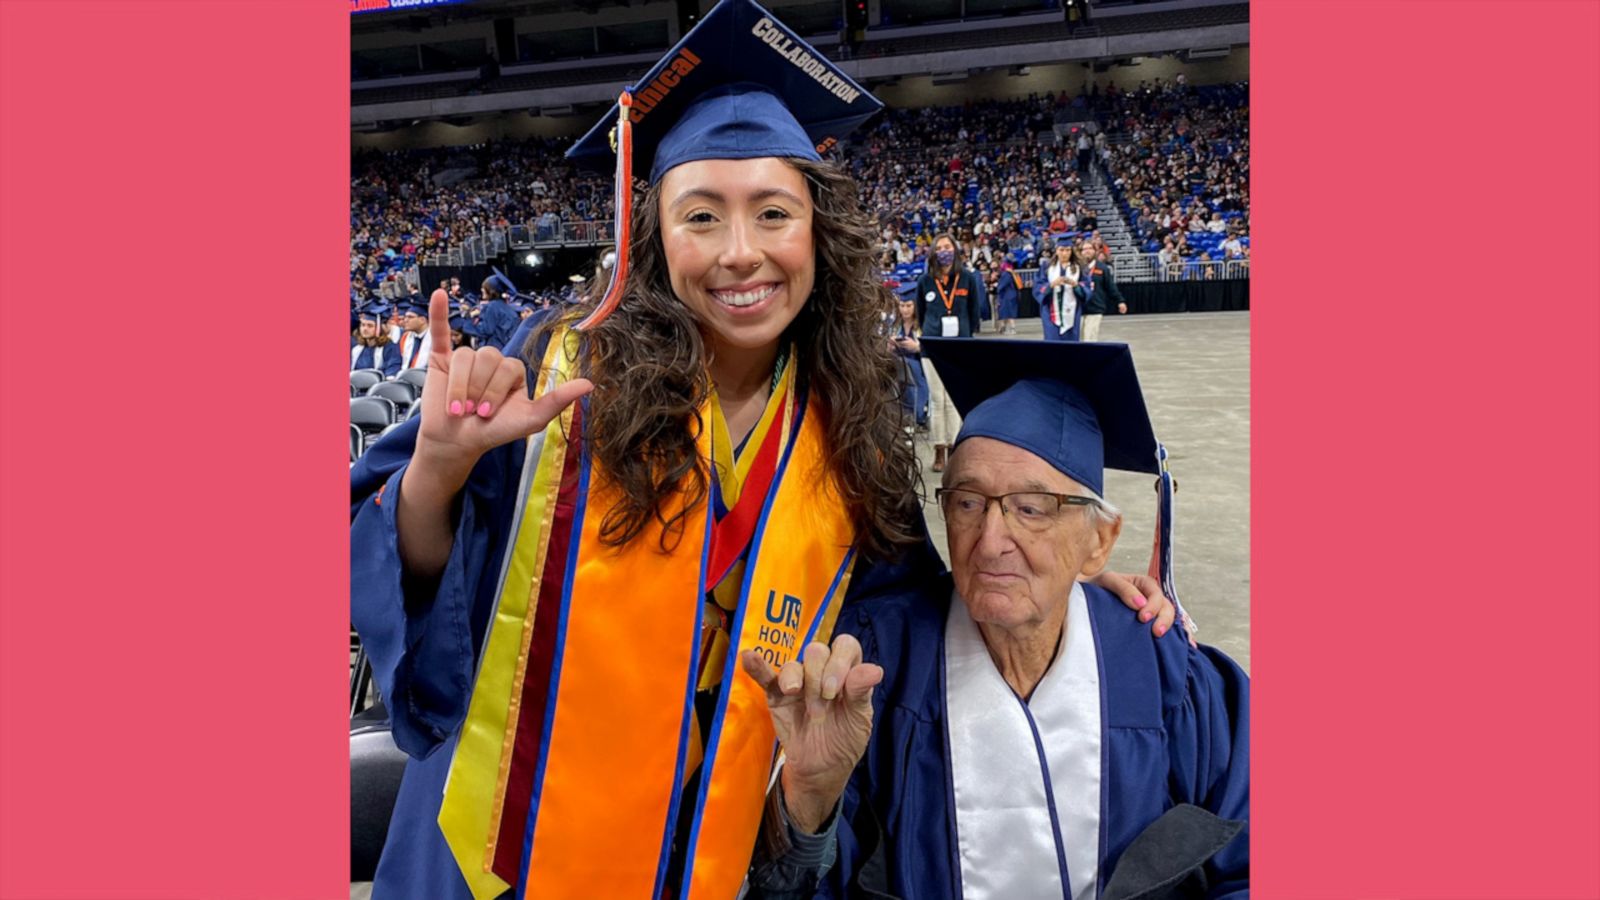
(568, 776)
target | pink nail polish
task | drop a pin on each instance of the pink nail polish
(1140, 602)
(455, 407)
(483, 408)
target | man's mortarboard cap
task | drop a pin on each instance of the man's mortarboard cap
(1077, 406)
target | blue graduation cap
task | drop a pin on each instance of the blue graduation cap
(375, 312)
(415, 309)
(739, 85)
(461, 324)
(1077, 406)
(500, 280)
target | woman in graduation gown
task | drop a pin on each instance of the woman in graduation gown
(1028, 739)
(550, 590)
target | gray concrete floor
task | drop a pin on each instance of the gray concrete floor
(1195, 371)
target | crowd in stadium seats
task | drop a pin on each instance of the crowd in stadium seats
(981, 172)
(408, 203)
(990, 172)
(1182, 176)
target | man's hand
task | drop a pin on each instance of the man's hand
(822, 711)
(1122, 307)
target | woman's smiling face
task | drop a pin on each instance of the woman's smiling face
(739, 247)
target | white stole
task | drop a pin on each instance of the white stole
(408, 340)
(377, 356)
(1062, 298)
(1006, 835)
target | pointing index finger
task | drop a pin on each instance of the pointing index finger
(439, 320)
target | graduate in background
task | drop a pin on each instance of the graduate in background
(1007, 291)
(416, 338)
(1028, 739)
(497, 319)
(1058, 290)
(370, 347)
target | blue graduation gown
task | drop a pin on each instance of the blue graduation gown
(391, 360)
(1175, 724)
(497, 322)
(424, 640)
(1006, 295)
(1041, 292)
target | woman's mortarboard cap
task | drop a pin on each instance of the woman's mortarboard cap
(739, 85)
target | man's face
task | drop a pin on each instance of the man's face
(1008, 573)
(369, 329)
(414, 323)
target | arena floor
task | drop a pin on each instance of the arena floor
(1195, 371)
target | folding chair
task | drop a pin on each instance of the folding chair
(415, 377)
(361, 379)
(372, 414)
(401, 393)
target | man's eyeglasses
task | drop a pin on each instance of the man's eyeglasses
(1033, 510)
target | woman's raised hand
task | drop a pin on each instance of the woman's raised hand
(476, 400)
(821, 709)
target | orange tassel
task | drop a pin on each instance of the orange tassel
(624, 197)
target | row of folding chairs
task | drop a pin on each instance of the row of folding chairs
(363, 379)
(372, 416)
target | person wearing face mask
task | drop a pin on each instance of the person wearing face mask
(950, 300)
(556, 566)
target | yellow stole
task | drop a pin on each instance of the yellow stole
(591, 787)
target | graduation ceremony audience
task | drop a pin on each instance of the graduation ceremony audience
(1182, 178)
(1005, 178)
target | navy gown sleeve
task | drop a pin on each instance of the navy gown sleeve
(423, 638)
(391, 360)
(895, 806)
(1207, 717)
(1041, 288)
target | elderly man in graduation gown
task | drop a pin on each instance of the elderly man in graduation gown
(1027, 741)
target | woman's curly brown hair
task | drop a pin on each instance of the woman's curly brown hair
(648, 364)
